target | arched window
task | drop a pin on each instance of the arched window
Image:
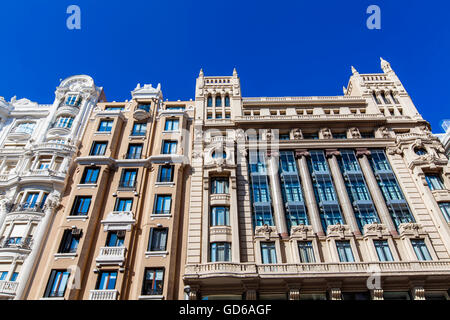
(218, 101)
(218, 153)
(420, 151)
(227, 101)
(209, 103)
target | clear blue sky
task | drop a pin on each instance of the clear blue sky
(279, 48)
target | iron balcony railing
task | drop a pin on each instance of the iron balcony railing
(28, 207)
(17, 242)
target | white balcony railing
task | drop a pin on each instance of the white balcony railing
(103, 295)
(111, 256)
(8, 287)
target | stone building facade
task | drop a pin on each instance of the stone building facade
(37, 146)
(342, 197)
(445, 137)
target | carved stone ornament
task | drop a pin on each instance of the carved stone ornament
(419, 293)
(53, 200)
(265, 231)
(298, 134)
(375, 229)
(394, 151)
(338, 230)
(355, 134)
(410, 229)
(326, 133)
(269, 135)
(301, 231)
(384, 132)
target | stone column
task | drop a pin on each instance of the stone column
(375, 191)
(277, 200)
(308, 189)
(341, 191)
(234, 220)
(294, 294)
(418, 293)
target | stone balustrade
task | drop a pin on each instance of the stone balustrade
(103, 295)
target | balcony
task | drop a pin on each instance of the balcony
(8, 288)
(103, 295)
(111, 256)
(17, 243)
(311, 270)
(220, 199)
(28, 207)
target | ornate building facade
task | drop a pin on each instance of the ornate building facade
(38, 143)
(118, 234)
(445, 137)
(342, 197)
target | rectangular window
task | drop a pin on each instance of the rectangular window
(90, 175)
(105, 126)
(169, 147)
(98, 148)
(220, 216)
(434, 182)
(220, 251)
(106, 280)
(115, 239)
(123, 204)
(219, 186)
(128, 179)
(31, 200)
(166, 173)
(345, 251)
(421, 250)
(306, 252)
(81, 206)
(445, 208)
(57, 284)
(69, 242)
(145, 107)
(3, 275)
(14, 276)
(171, 125)
(139, 129)
(63, 122)
(268, 253)
(44, 165)
(383, 251)
(72, 100)
(115, 108)
(158, 239)
(134, 151)
(153, 282)
(263, 216)
(163, 204)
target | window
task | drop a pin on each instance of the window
(153, 282)
(218, 101)
(220, 216)
(158, 239)
(123, 204)
(420, 151)
(98, 148)
(3, 275)
(105, 126)
(171, 125)
(219, 186)
(383, 251)
(313, 136)
(445, 208)
(261, 192)
(139, 129)
(145, 107)
(434, 182)
(25, 127)
(227, 115)
(169, 147)
(306, 252)
(284, 136)
(128, 179)
(70, 240)
(81, 206)
(106, 280)
(227, 101)
(134, 151)
(57, 284)
(219, 153)
(44, 165)
(166, 173)
(263, 216)
(220, 251)
(268, 253)
(31, 200)
(115, 108)
(90, 175)
(209, 103)
(115, 239)
(14, 276)
(367, 135)
(163, 204)
(72, 100)
(420, 248)
(63, 122)
(345, 251)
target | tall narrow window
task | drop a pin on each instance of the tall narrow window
(268, 253)
(123, 204)
(345, 251)
(171, 125)
(64, 122)
(57, 283)
(158, 239)
(134, 151)
(218, 101)
(70, 240)
(72, 100)
(220, 216)
(434, 182)
(306, 252)
(383, 251)
(115, 239)
(128, 179)
(139, 129)
(106, 280)
(153, 282)
(31, 200)
(98, 148)
(90, 175)
(209, 103)
(227, 101)
(81, 206)
(219, 185)
(220, 251)
(166, 173)
(445, 208)
(169, 147)
(105, 126)
(421, 250)
(163, 204)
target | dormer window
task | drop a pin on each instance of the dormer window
(73, 100)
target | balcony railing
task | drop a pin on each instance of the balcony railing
(28, 207)
(136, 155)
(313, 269)
(103, 295)
(8, 287)
(111, 256)
(17, 242)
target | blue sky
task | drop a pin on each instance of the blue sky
(279, 48)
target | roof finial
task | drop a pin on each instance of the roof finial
(354, 71)
(201, 74)
(385, 66)
(234, 72)
(344, 90)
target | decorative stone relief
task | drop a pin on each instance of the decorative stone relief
(325, 133)
(301, 231)
(265, 231)
(297, 133)
(376, 230)
(338, 230)
(354, 133)
(410, 229)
